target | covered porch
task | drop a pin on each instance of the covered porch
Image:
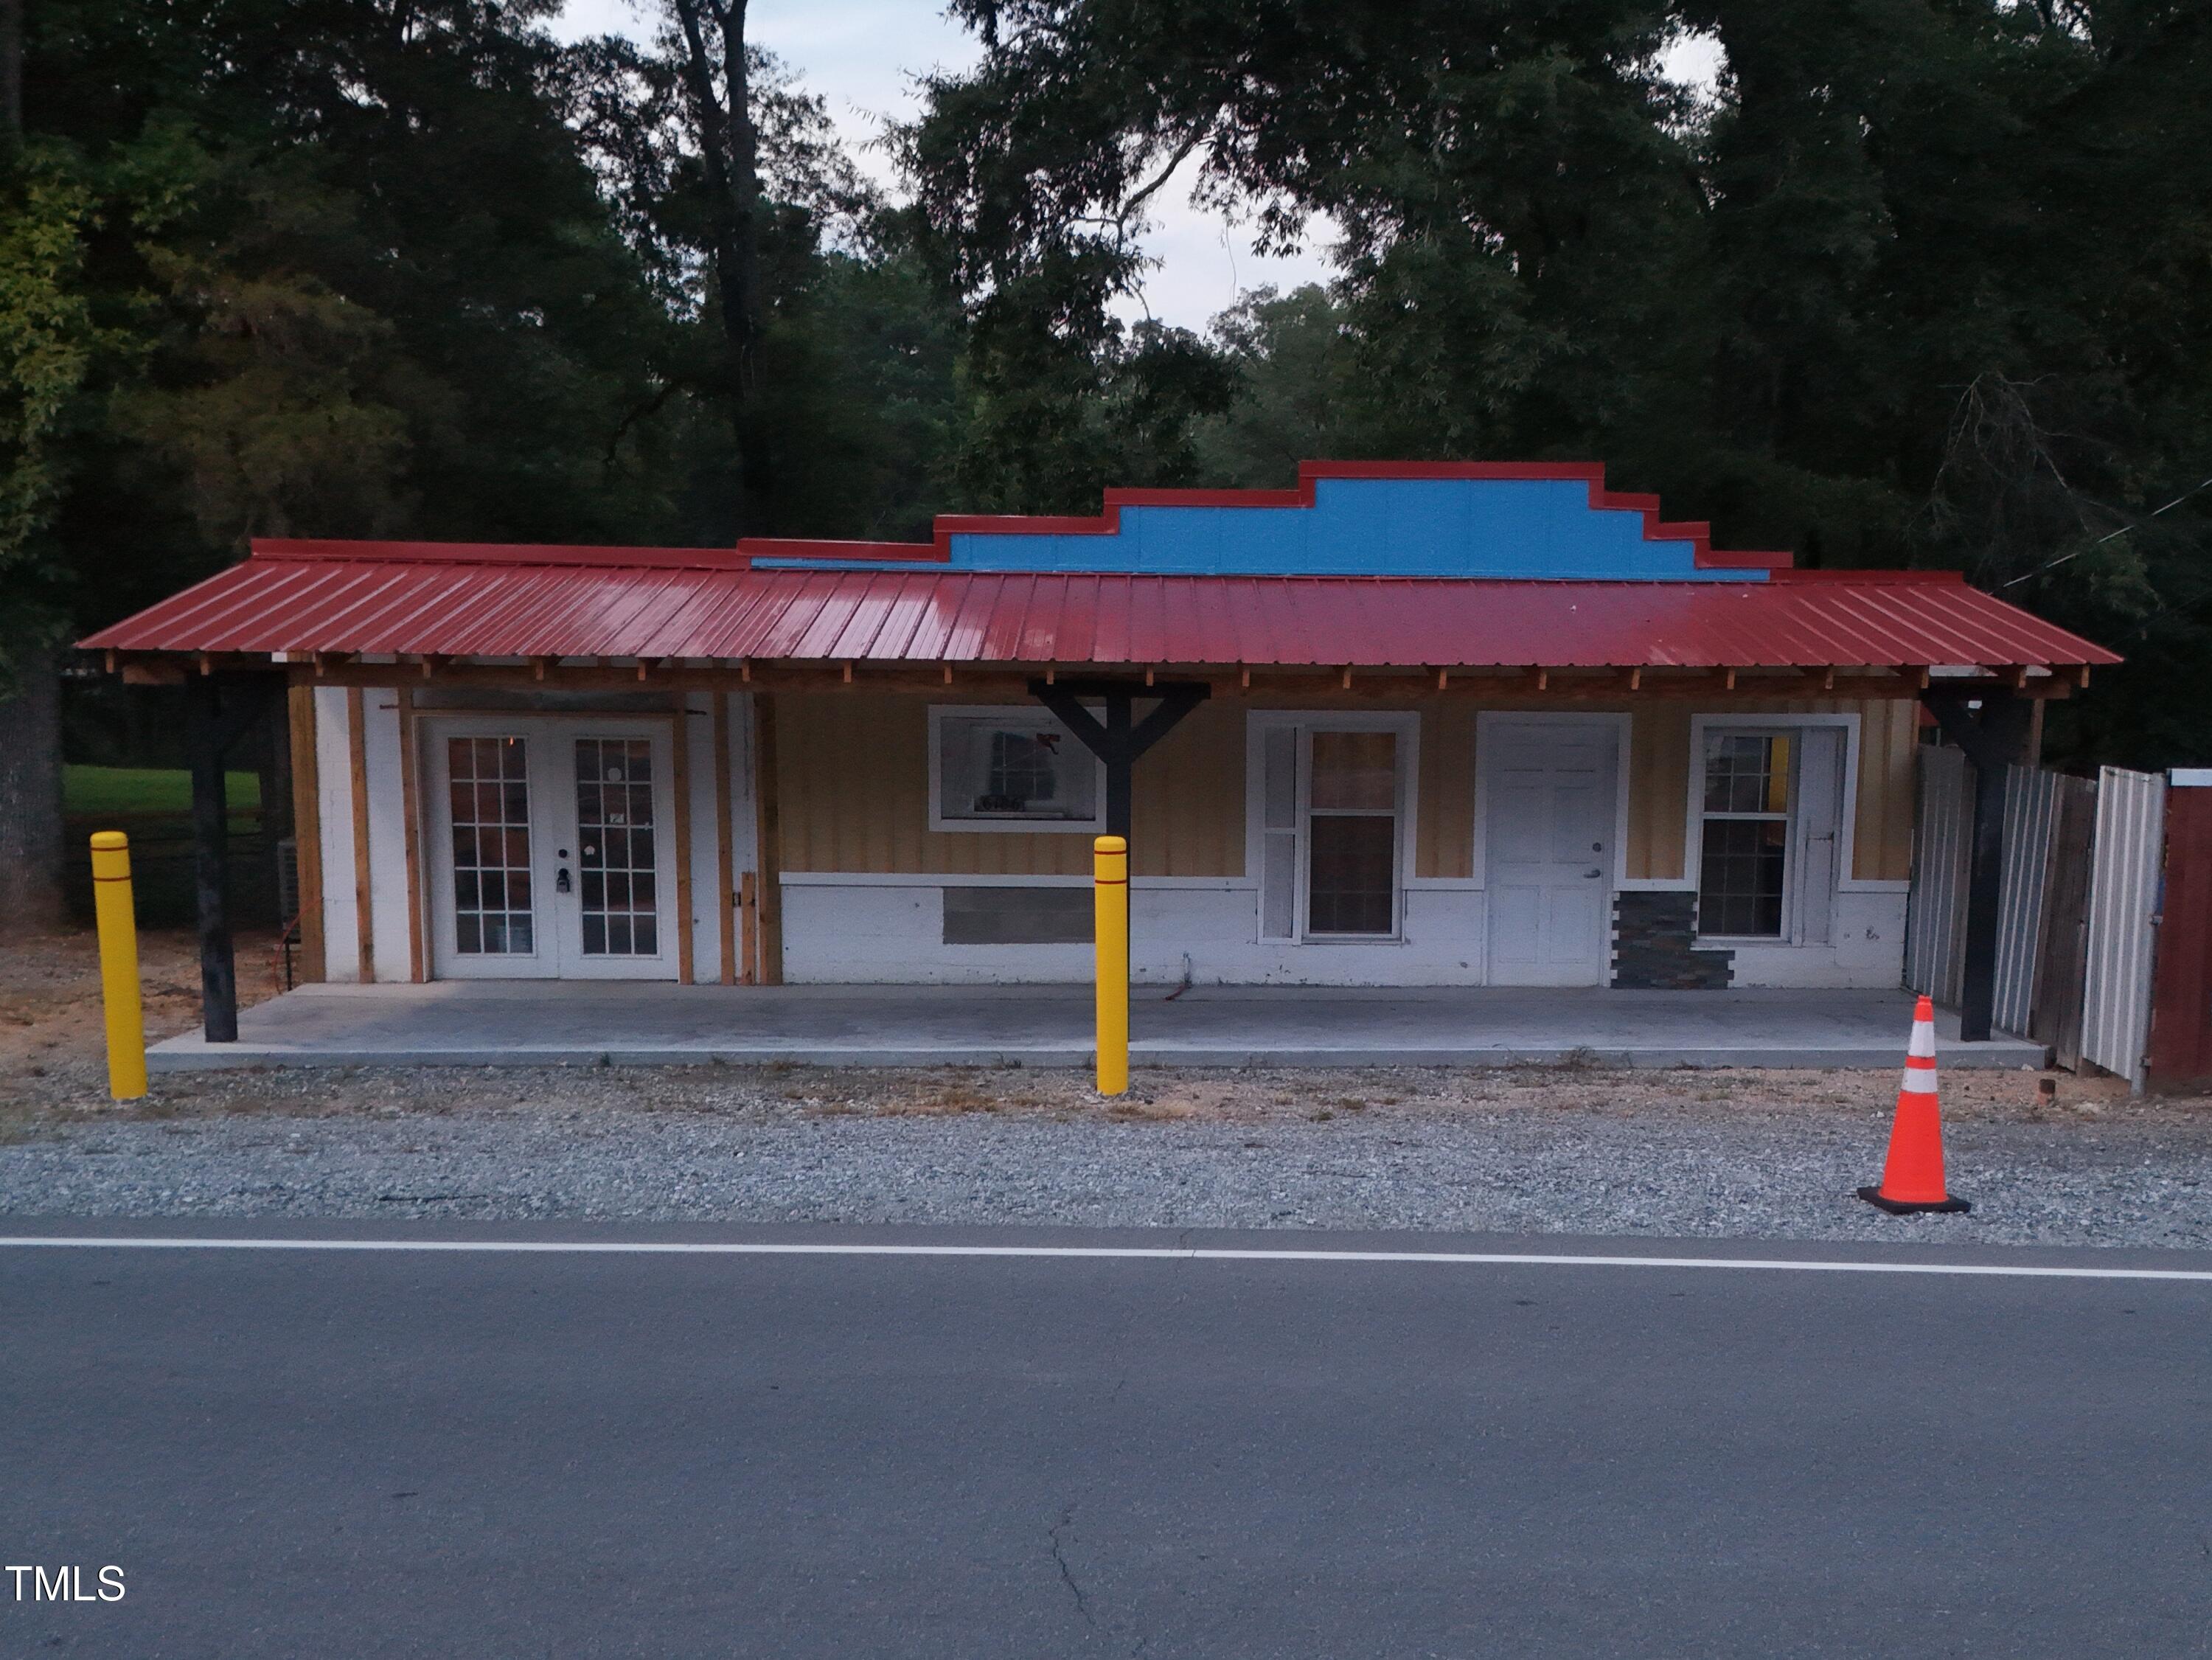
(1436, 737)
(580, 1022)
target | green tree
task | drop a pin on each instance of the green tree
(48, 341)
(1793, 302)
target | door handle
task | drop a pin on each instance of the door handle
(561, 880)
(1593, 872)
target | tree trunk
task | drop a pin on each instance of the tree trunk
(31, 691)
(11, 73)
(31, 790)
(718, 83)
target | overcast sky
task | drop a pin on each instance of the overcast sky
(862, 56)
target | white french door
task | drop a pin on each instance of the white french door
(552, 855)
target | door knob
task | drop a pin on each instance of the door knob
(561, 880)
(1593, 872)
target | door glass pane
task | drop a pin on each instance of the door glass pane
(1351, 865)
(1740, 879)
(615, 847)
(1355, 769)
(488, 782)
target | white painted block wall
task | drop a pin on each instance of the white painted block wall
(873, 929)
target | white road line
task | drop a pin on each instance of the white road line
(1143, 1253)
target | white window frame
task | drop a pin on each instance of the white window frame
(1693, 834)
(1406, 725)
(1025, 715)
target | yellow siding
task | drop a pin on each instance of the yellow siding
(1659, 765)
(1658, 791)
(854, 770)
(1881, 845)
(1188, 817)
(1443, 829)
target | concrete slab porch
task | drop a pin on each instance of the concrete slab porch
(453, 1023)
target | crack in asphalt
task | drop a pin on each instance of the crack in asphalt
(1082, 1602)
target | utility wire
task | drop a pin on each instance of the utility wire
(2101, 540)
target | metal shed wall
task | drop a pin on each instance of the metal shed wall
(2030, 810)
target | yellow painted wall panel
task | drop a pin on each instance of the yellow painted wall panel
(1881, 836)
(855, 775)
(1658, 790)
(854, 771)
(1444, 830)
(1188, 817)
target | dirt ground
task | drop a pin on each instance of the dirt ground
(52, 1074)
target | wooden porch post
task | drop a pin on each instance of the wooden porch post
(680, 784)
(725, 863)
(410, 832)
(307, 830)
(769, 850)
(364, 911)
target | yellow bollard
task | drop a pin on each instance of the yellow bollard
(1109, 877)
(119, 964)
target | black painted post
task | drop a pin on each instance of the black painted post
(1978, 988)
(1120, 764)
(1118, 743)
(1992, 743)
(211, 861)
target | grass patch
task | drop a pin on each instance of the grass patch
(96, 792)
(1131, 1109)
(957, 1097)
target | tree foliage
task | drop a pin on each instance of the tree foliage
(1915, 281)
(1912, 281)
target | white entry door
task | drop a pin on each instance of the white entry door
(1549, 789)
(551, 849)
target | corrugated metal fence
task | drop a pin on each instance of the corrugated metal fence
(2074, 955)
(2031, 815)
(1943, 836)
(2124, 879)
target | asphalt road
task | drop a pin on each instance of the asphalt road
(401, 1453)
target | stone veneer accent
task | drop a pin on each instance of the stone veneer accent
(1653, 944)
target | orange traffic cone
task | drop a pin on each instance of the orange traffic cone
(1912, 1180)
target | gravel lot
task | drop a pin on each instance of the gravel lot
(1767, 1154)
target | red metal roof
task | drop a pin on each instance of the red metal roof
(699, 603)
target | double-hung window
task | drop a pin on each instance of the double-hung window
(1768, 824)
(1330, 798)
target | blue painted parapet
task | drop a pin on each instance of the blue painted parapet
(1552, 521)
